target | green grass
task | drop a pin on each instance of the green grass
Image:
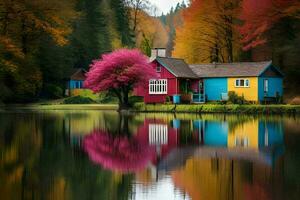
(215, 108)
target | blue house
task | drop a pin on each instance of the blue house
(75, 82)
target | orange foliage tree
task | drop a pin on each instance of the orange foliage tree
(22, 24)
(149, 32)
(208, 33)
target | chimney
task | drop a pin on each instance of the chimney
(158, 52)
(215, 64)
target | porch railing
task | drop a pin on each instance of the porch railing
(198, 98)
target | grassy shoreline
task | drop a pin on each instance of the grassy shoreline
(168, 108)
(215, 108)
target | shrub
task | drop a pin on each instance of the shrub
(78, 100)
(135, 99)
(53, 91)
(234, 98)
(168, 99)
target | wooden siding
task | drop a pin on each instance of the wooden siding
(250, 93)
(159, 98)
(214, 87)
(275, 86)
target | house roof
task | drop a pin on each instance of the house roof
(241, 69)
(178, 67)
(77, 74)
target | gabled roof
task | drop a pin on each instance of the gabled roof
(78, 74)
(242, 69)
(178, 67)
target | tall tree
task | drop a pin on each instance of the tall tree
(23, 24)
(119, 72)
(209, 27)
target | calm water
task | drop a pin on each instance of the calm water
(102, 155)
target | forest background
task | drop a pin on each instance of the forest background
(41, 42)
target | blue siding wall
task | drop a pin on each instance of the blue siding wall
(275, 85)
(214, 87)
(75, 84)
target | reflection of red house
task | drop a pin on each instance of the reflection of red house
(159, 134)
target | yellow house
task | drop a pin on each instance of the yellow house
(256, 81)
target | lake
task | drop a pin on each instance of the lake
(104, 155)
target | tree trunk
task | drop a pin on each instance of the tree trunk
(124, 104)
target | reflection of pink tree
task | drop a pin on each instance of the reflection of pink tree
(117, 153)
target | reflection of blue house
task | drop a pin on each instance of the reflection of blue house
(215, 133)
(270, 134)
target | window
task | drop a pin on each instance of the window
(158, 86)
(242, 83)
(247, 83)
(158, 68)
(77, 84)
(266, 85)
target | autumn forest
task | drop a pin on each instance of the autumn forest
(41, 41)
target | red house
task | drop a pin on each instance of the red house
(175, 77)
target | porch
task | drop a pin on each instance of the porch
(191, 90)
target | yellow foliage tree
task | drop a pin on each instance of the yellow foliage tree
(151, 29)
(208, 33)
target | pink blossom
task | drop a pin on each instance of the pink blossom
(123, 67)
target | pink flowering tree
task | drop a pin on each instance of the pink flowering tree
(118, 73)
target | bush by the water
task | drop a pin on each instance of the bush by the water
(234, 98)
(78, 100)
(53, 91)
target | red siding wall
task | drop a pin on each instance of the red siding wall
(158, 98)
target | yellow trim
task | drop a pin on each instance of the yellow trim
(250, 93)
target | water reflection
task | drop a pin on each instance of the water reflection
(103, 155)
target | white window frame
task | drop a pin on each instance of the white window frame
(237, 83)
(158, 68)
(158, 86)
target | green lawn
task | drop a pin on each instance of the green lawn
(182, 108)
(215, 108)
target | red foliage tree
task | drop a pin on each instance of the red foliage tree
(259, 16)
(119, 72)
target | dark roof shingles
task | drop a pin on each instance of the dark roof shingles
(178, 67)
(78, 74)
(230, 69)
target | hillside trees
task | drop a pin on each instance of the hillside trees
(270, 31)
(172, 21)
(209, 27)
(149, 33)
(22, 24)
(42, 41)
